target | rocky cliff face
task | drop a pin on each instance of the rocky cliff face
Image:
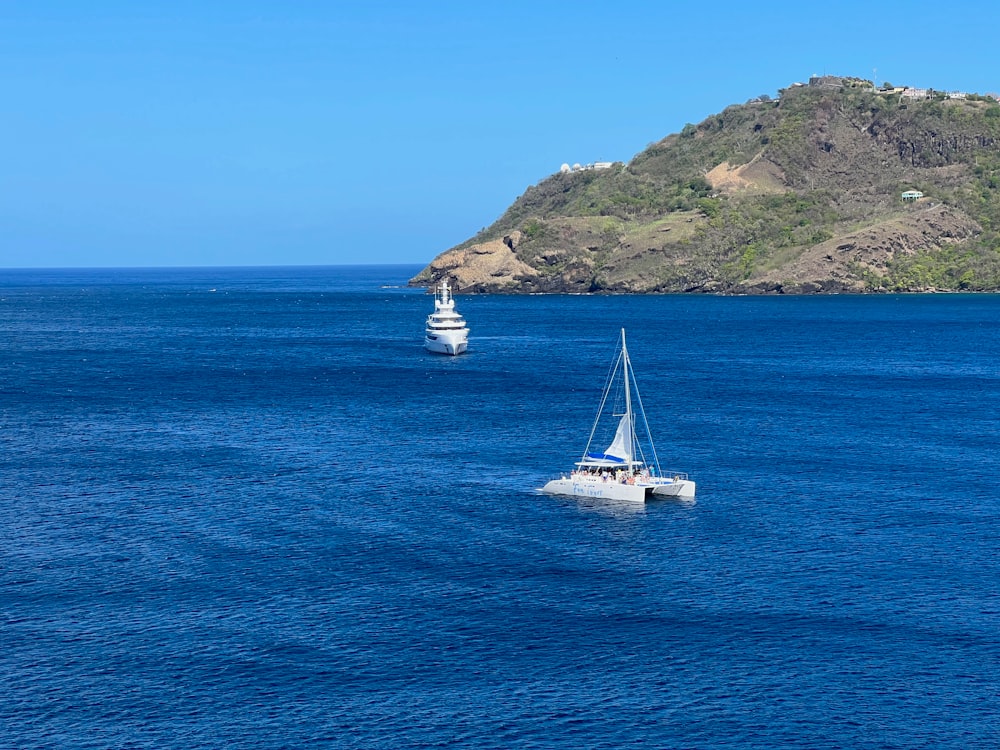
(483, 267)
(802, 195)
(851, 262)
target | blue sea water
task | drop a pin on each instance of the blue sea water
(245, 508)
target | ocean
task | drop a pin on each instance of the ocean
(244, 508)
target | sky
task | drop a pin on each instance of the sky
(192, 133)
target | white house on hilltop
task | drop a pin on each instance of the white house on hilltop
(566, 168)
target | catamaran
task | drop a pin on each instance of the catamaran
(624, 470)
(447, 331)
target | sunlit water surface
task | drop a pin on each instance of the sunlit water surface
(245, 508)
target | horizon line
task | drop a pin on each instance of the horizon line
(207, 267)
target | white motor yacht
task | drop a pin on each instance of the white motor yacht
(447, 331)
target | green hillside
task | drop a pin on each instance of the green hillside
(802, 193)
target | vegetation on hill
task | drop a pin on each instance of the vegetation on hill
(798, 194)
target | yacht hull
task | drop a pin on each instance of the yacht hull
(443, 343)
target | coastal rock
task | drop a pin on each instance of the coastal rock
(490, 266)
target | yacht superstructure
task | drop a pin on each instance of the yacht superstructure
(447, 331)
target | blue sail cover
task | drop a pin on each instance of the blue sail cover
(606, 457)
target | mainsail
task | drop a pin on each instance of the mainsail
(621, 446)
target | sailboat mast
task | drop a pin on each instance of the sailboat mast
(630, 448)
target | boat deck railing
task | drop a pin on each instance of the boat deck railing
(680, 476)
(625, 478)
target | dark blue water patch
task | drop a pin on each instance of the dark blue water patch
(265, 517)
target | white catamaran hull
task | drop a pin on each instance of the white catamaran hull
(682, 488)
(614, 490)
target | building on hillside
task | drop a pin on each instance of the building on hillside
(911, 195)
(567, 169)
(914, 93)
(826, 81)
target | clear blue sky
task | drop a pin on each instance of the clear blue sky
(176, 133)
